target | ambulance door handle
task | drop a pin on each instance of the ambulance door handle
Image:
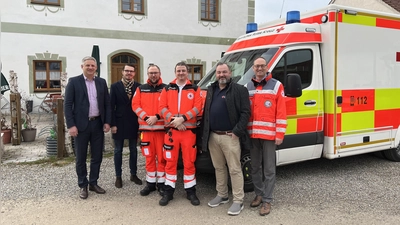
(310, 102)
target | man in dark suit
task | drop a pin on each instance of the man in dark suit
(124, 123)
(88, 115)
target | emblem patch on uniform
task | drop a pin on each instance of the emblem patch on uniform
(268, 103)
(190, 95)
(283, 94)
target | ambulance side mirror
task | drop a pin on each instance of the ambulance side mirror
(293, 85)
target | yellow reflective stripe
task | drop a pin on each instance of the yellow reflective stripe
(360, 19)
(384, 99)
(308, 95)
(330, 101)
(357, 120)
(291, 126)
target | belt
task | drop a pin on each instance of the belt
(222, 132)
(93, 118)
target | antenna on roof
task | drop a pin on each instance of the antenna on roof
(283, 3)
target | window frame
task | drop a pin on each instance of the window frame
(45, 2)
(305, 81)
(132, 5)
(191, 73)
(36, 88)
(207, 11)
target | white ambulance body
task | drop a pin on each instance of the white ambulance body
(348, 60)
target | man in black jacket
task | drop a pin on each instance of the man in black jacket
(124, 123)
(226, 113)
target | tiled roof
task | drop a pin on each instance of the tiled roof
(395, 4)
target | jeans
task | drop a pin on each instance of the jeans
(119, 144)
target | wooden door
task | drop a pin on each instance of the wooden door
(118, 62)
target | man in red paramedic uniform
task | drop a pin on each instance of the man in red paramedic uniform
(180, 103)
(145, 105)
(267, 127)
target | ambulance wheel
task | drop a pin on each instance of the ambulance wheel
(393, 154)
(245, 162)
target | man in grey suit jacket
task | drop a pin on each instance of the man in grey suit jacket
(88, 115)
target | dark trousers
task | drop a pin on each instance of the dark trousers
(119, 145)
(95, 136)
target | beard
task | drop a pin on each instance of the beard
(222, 80)
(154, 81)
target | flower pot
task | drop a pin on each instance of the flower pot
(28, 135)
(6, 136)
(51, 146)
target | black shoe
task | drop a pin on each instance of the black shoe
(146, 190)
(165, 199)
(160, 188)
(193, 199)
(96, 188)
(83, 193)
(118, 182)
(136, 180)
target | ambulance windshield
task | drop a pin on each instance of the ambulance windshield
(241, 64)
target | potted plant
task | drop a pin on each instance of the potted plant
(5, 130)
(51, 143)
(29, 131)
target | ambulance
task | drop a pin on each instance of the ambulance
(340, 67)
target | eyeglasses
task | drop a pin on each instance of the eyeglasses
(260, 66)
(153, 73)
(170, 136)
(129, 71)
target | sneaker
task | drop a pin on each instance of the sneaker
(217, 201)
(235, 209)
(265, 209)
(256, 201)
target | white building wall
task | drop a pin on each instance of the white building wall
(376, 5)
(89, 20)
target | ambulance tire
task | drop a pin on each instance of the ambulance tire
(393, 154)
(245, 162)
(246, 170)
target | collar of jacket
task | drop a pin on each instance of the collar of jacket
(264, 81)
(187, 82)
(216, 84)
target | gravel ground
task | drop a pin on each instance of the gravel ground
(355, 190)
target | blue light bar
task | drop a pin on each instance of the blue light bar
(251, 27)
(293, 17)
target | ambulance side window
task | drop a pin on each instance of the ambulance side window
(297, 61)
